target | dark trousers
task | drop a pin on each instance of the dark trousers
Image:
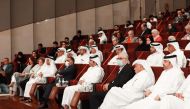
(23, 84)
(96, 99)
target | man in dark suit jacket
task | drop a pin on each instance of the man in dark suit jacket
(124, 75)
(68, 73)
(5, 75)
(145, 30)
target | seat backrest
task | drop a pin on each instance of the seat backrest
(81, 69)
(112, 75)
(107, 70)
(157, 72)
(142, 54)
(186, 71)
(109, 57)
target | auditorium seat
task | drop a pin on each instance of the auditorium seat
(142, 54)
(110, 74)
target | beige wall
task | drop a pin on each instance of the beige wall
(22, 39)
(65, 26)
(121, 12)
(44, 32)
(86, 21)
(5, 44)
(104, 17)
(27, 37)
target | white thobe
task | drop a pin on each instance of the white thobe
(46, 72)
(187, 46)
(103, 39)
(169, 82)
(181, 59)
(92, 75)
(113, 61)
(155, 59)
(82, 59)
(172, 102)
(61, 59)
(16, 78)
(100, 55)
(132, 91)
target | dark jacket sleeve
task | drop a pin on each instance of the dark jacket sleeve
(9, 69)
(123, 77)
(68, 73)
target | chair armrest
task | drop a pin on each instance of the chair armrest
(73, 82)
(98, 87)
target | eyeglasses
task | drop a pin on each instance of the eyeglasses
(120, 58)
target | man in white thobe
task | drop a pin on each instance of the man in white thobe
(118, 49)
(94, 74)
(187, 46)
(156, 58)
(133, 90)
(174, 49)
(179, 100)
(94, 50)
(83, 57)
(71, 53)
(47, 70)
(169, 81)
(102, 37)
(61, 56)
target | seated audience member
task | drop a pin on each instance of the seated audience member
(156, 56)
(171, 29)
(6, 72)
(116, 29)
(91, 42)
(149, 25)
(61, 56)
(41, 50)
(156, 35)
(17, 77)
(178, 100)
(174, 49)
(153, 18)
(128, 24)
(179, 18)
(65, 45)
(124, 74)
(133, 90)
(185, 13)
(170, 38)
(102, 37)
(145, 30)
(149, 40)
(187, 46)
(47, 70)
(115, 42)
(33, 74)
(118, 49)
(67, 41)
(78, 37)
(83, 57)
(119, 37)
(169, 81)
(130, 38)
(142, 45)
(19, 62)
(94, 50)
(68, 73)
(187, 36)
(71, 53)
(35, 56)
(94, 74)
(54, 50)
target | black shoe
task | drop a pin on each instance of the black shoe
(43, 106)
